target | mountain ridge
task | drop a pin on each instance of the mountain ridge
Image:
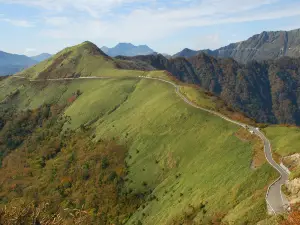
(127, 49)
(265, 91)
(12, 63)
(79, 60)
(264, 46)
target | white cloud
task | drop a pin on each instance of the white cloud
(143, 25)
(30, 51)
(92, 7)
(143, 21)
(18, 23)
(57, 21)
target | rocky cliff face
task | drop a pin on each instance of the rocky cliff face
(267, 91)
(264, 46)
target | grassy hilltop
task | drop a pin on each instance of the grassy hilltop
(171, 163)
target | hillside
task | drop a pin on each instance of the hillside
(127, 49)
(265, 91)
(264, 46)
(82, 60)
(124, 150)
(13, 63)
(270, 45)
(285, 142)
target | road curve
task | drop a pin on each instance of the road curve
(276, 201)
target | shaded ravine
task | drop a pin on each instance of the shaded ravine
(276, 201)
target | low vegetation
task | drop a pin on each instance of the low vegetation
(208, 100)
(123, 151)
(64, 170)
(285, 139)
(258, 147)
(160, 171)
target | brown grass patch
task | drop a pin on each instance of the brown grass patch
(276, 157)
(258, 146)
(171, 161)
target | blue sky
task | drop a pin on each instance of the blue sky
(34, 26)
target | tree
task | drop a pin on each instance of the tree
(293, 219)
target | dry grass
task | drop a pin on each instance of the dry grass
(258, 147)
(27, 213)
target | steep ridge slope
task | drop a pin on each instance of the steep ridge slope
(265, 91)
(169, 159)
(81, 60)
(264, 46)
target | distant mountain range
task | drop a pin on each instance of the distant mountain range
(13, 63)
(264, 46)
(127, 49)
(41, 57)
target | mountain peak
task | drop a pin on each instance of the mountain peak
(186, 52)
(127, 49)
(88, 44)
(187, 49)
(124, 44)
(79, 60)
(89, 48)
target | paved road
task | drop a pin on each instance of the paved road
(276, 201)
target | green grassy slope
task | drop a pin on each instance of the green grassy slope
(285, 140)
(85, 59)
(190, 163)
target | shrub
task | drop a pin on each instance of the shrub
(112, 176)
(104, 163)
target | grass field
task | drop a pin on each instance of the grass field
(199, 97)
(285, 140)
(190, 163)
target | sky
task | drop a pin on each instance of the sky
(32, 27)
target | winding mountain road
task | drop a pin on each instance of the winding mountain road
(276, 201)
